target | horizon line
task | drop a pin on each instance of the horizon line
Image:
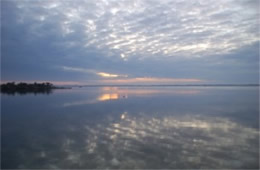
(103, 85)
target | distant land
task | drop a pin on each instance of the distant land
(47, 87)
(23, 88)
(163, 85)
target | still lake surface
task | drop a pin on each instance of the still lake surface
(132, 127)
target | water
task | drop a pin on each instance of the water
(132, 127)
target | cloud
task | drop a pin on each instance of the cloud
(82, 70)
(141, 28)
(110, 75)
(102, 74)
(208, 40)
(152, 80)
(125, 79)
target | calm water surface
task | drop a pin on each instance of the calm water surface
(132, 127)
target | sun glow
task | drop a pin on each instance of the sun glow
(153, 80)
(107, 74)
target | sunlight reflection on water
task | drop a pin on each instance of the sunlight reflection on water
(115, 93)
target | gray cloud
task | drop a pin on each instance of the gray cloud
(148, 38)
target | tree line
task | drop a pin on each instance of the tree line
(12, 87)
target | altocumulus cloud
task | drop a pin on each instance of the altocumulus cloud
(91, 40)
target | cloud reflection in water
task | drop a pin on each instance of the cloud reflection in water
(123, 134)
(127, 141)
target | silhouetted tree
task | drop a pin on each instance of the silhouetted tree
(22, 88)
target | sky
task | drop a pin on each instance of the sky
(130, 41)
